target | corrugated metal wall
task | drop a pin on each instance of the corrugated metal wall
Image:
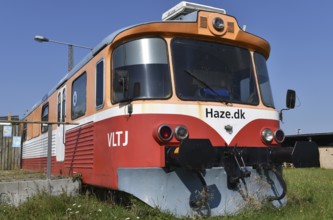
(79, 148)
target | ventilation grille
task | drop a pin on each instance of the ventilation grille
(203, 22)
(79, 151)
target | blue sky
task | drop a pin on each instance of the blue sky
(299, 32)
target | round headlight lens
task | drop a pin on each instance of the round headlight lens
(218, 24)
(267, 135)
(165, 132)
(279, 136)
(181, 132)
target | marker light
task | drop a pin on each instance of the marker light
(218, 24)
(267, 135)
(279, 136)
(181, 132)
(165, 132)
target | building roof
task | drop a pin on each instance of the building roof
(322, 139)
(5, 118)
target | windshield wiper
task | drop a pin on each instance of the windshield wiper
(219, 98)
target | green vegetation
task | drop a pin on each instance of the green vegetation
(310, 196)
(18, 175)
(83, 207)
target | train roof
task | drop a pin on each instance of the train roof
(108, 40)
(188, 17)
(175, 14)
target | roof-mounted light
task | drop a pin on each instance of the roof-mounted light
(184, 8)
(218, 24)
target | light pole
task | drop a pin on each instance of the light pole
(70, 46)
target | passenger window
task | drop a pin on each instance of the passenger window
(59, 108)
(63, 115)
(45, 117)
(79, 96)
(99, 84)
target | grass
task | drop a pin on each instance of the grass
(11, 175)
(310, 196)
(80, 207)
(21, 175)
(309, 193)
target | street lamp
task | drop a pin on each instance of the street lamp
(70, 46)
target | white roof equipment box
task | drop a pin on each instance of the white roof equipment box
(184, 8)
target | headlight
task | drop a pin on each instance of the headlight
(279, 136)
(165, 132)
(181, 132)
(267, 135)
(218, 24)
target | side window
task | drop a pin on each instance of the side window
(63, 105)
(45, 117)
(79, 96)
(59, 108)
(141, 70)
(99, 84)
(263, 78)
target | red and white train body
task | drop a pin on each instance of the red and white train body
(178, 113)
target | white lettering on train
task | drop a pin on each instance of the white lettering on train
(118, 138)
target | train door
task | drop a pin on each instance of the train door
(60, 132)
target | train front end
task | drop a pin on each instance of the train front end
(217, 130)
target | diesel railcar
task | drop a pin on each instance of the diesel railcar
(178, 113)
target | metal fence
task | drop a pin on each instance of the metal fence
(10, 145)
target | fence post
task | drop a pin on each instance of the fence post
(49, 151)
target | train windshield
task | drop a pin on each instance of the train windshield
(210, 71)
(141, 70)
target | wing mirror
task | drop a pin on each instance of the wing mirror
(290, 102)
(290, 99)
